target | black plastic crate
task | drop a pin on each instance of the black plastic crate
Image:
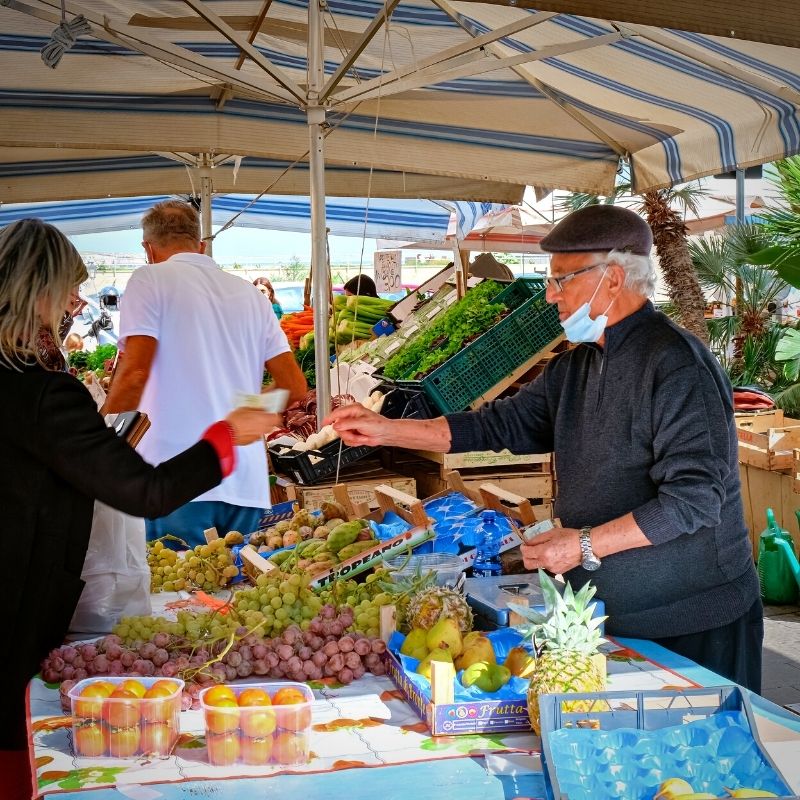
(316, 466)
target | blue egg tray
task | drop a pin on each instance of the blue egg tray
(625, 744)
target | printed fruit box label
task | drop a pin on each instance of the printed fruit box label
(368, 558)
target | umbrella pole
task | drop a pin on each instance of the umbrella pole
(320, 275)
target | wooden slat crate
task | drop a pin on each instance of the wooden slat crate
(767, 440)
(487, 459)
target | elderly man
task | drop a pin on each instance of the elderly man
(640, 417)
(193, 336)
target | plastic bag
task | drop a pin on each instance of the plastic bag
(115, 571)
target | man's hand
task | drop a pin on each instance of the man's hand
(557, 550)
(250, 424)
(358, 425)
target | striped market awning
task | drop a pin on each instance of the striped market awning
(469, 94)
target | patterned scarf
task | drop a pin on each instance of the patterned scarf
(48, 351)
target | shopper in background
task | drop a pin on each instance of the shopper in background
(361, 285)
(265, 287)
(192, 337)
(56, 457)
(640, 418)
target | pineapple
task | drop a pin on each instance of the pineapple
(430, 605)
(566, 640)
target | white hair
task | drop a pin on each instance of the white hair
(640, 274)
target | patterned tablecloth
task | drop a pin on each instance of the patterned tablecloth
(366, 724)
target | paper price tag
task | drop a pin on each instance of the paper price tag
(273, 401)
(387, 266)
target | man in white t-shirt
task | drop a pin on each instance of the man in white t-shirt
(192, 336)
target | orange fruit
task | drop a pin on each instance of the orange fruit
(226, 718)
(171, 685)
(216, 692)
(257, 722)
(137, 687)
(289, 748)
(124, 742)
(288, 696)
(157, 704)
(156, 739)
(90, 740)
(256, 751)
(92, 709)
(121, 709)
(223, 749)
(254, 697)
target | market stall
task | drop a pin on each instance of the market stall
(367, 725)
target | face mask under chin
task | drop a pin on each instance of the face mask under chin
(579, 327)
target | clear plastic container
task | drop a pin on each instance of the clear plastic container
(257, 733)
(447, 567)
(128, 726)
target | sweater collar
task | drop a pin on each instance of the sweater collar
(616, 334)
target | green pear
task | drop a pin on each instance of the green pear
(437, 654)
(479, 649)
(445, 633)
(487, 677)
(413, 642)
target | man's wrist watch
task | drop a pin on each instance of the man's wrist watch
(589, 561)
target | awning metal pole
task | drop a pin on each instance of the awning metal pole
(320, 277)
(206, 191)
(739, 196)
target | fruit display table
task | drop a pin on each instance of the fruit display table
(366, 742)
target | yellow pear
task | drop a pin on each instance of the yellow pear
(520, 662)
(437, 654)
(445, 633)
(413, 642)
(673, 788)
(472, 637)
(745, 792)
(698, 796)
(480, 649)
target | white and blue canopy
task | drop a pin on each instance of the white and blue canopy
(463, 91)
(417, 220)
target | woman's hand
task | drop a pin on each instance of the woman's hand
(250, 424)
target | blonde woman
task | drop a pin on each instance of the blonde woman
(56, 457)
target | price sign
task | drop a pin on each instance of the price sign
(387, 271)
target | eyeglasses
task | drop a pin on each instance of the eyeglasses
(559, 282)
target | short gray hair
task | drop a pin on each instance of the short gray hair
(171, 221)
(640, 274)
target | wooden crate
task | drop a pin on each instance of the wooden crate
(486, 459)
(361, 489)
(766, 440)
(763, 489)
(537, 489)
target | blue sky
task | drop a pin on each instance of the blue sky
(239, 244)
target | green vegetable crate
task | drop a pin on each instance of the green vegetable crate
(531, 326)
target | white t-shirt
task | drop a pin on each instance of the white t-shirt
(214, 332)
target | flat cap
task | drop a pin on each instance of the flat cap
(600, 228)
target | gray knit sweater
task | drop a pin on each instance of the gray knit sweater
(643, 425)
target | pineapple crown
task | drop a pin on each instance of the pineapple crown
(567, 624)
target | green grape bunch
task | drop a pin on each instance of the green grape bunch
(208, 566)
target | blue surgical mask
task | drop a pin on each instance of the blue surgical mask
(580, 327)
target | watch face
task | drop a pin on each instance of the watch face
(591, 563)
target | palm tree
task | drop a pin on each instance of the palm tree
(671, 243)
(746, 343)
